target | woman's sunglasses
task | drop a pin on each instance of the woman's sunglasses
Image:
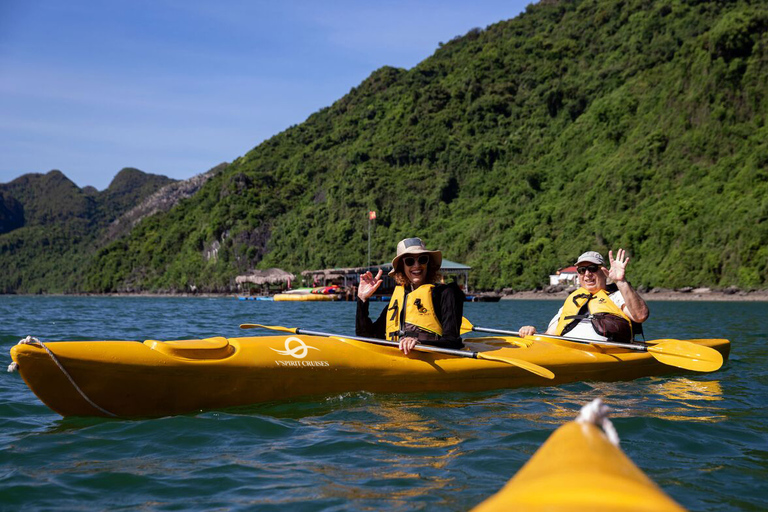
(410, 260)
(591, 268)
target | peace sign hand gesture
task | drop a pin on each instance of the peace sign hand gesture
(618, 265)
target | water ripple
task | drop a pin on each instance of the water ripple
(703, 438)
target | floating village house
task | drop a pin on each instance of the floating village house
(565, 276)
(347, 277)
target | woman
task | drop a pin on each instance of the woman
(420, 310)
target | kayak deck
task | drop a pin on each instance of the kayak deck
(158, 378)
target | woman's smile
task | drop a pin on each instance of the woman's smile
(416, 273)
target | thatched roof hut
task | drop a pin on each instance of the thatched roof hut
(269, 276)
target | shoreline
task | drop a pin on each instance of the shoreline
(657, 294)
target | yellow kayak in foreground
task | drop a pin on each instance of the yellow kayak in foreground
(578, 469)
(159, 378)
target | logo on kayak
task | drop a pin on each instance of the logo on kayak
(299, 351)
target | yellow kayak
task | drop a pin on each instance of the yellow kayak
(158, 378)
(304, 297)
(579, 469)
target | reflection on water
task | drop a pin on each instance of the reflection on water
(390, 487)
(681, 388)
(691, 400)
(410, 449)
(667, 398)
(405, 426)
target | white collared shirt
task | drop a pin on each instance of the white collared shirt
(584, 328)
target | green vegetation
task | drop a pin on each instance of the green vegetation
(579, 125)
(49, 227)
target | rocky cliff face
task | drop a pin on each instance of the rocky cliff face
(161, 201)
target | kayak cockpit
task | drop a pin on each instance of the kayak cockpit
(208, 348)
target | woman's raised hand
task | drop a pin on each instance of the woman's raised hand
(368, 285)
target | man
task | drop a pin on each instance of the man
(592, 311)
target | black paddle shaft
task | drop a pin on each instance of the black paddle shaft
(377, 341)
(632, 346)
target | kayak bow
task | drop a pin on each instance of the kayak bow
(578, 468)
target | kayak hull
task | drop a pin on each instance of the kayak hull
(156, 378)
(305, 297)
(578, 469)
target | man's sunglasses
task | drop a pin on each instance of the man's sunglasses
(410, 260)
(591, 268)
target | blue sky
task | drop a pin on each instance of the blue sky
(176, 87)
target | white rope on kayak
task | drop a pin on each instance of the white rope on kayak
(596, 413)
(30, 340)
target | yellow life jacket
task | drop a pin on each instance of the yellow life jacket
(595, 306)
(419, 312)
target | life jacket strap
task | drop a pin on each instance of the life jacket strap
(587, 296)
(422, 336)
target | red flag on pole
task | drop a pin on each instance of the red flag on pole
(371, 215)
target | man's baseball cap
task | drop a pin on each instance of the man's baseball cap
(591, 257)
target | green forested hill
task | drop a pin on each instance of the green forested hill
(49, 226)
(578, 125)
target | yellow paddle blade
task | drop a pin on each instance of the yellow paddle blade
(270, 327)
(687, 355)
(466, 326)
(531, 367)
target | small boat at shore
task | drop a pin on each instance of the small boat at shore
(483, 297)
(304, 297)
(579, 468)
(318, 294)
(159, 378)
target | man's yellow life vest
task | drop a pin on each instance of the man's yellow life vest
(419, 312)
(583, 304)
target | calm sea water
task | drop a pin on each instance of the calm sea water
(703, 438)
